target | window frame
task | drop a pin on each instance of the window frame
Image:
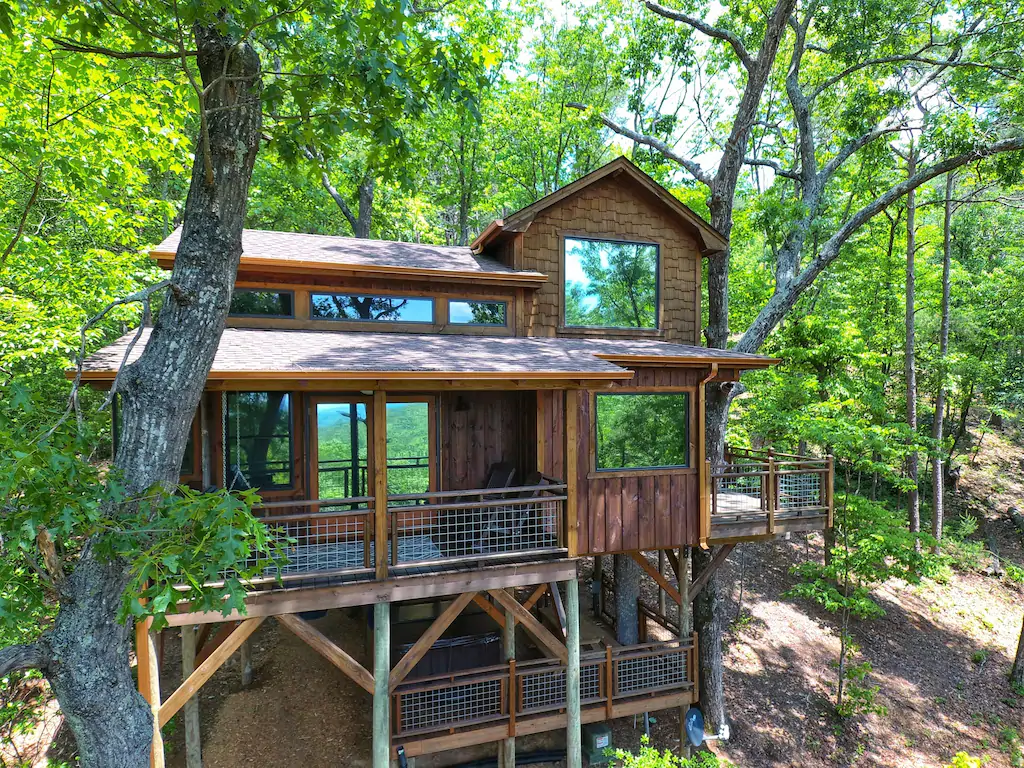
(419, 297)
(693, 454)
(503, 302)
(244, 289)
(653, 330)
(293, 483)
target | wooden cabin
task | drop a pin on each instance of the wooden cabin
(445, 433)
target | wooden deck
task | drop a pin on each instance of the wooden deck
(763, 495)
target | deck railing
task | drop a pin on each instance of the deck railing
(516, 692)
(757, 492)
(328, 537)
(482, 523)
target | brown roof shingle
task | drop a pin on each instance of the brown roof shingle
(342, 354)
(295, 249)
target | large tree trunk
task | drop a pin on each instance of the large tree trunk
(910, 370)
(1017, 673)
(87, 648)
(938, 485)
(627, 593)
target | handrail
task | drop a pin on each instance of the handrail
(517, 691)
(474, 492)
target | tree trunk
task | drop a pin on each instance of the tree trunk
(87, 648)
(1017, 673)
(627, 593)
(709, 621)
(938, 486)
(364, 221)
(910, 371)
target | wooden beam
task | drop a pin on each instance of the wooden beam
(205, 670)
(658, 577)
(556, 598)
(320, 643)
(428, 638)
(222, 634)
(393, 589)
(540, 633)
(673, 560)
(490, 610)
(698, 583)
(380, 483)
(538, 593)
(572, 408)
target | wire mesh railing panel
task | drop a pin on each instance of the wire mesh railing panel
(318, 543)
(442, 707)
(800, 490)
(652, 672)
(475, 528)
(739, 489)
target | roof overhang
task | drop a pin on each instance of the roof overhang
(686, 361)
(165, 259)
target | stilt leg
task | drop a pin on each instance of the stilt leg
(149, 685)
(685, 630)
(245, 663)
(574, 736)
(508, 746)
(193, 739)
(381, 696)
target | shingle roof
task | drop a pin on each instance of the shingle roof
(341, 354)
(328, 251)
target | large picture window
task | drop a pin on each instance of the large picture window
(395, 309)
(643, 430)
(611, 284)
(259, 440)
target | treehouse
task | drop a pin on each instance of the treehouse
(446, 434)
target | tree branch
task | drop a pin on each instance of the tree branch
(775, 166)
(708, 29)
(783, 300)
(325, 181)
(694, 168)
(74, 46)
(24, 216)
(15, 658)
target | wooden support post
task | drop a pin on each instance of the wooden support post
(193, 739)
(380, 483)
(572, 441)
(381, 695)
(663, 584)
(574, 735)
(716, 560)
(661, 590)
(149, 685)
(684, 634)
(245, 663)
(508, 746)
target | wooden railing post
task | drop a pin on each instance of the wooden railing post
(380, 483)
(609, 684)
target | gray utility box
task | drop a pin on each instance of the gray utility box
(597, 737)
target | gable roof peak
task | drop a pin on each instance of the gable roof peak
(710, 239)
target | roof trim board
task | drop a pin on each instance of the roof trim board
(710, 238)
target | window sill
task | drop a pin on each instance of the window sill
(656, 472)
